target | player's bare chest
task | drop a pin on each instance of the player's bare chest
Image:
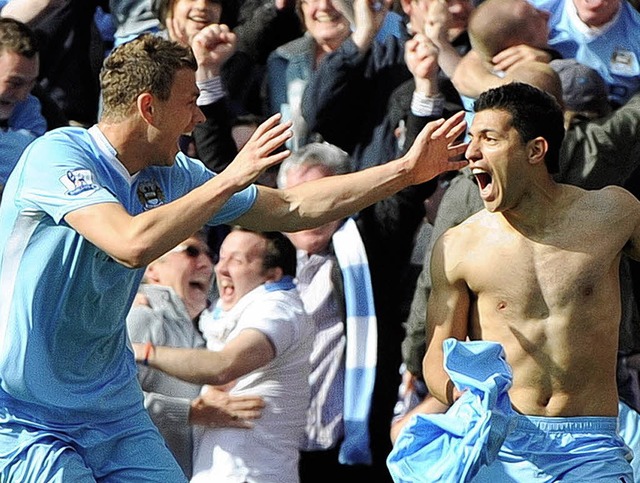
(539, 275)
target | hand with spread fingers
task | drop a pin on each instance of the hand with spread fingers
(435, 149)
(259, 153)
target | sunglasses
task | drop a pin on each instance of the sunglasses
(194, 251)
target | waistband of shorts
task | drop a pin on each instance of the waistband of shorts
(574, 424)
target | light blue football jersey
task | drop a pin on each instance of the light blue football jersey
(614, 53)
(64, 350)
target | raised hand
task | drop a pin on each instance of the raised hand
(421, 57)
(258, 153)
(435, 149)
(212, 46)
(368, 18)
(218, 408)
(437, 22)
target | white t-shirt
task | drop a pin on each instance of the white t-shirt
(269, 452)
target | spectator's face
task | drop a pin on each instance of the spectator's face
(317, 239)
(191, 16)
(459, 11)
(18, 75)
(596, 13)
(325, 24)
(188, 270)
(240, 267)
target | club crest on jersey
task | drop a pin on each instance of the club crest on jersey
(79, 181)
(624, 62)
(150, 194)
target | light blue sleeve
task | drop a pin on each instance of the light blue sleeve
(194, 173)
(58, 175)
(238, 205)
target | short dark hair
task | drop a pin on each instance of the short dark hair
(533, 113)
(279, 252)
(17, 37)
(148, 63)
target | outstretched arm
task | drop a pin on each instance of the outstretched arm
(213, 407)
(317, 202)
(212, 47)
(247, 352)
(436, 29)
(137, 240)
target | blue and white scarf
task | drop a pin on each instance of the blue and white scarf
(362, 343)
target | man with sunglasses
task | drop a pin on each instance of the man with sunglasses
(174, 292)
(260, 340)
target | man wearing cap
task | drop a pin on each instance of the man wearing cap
(584, 91)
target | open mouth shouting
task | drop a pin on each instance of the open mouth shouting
(199, 285)
(226, 290)
(485, 183)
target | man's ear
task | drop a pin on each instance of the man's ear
(274, 274)
(145, 105)
(151, 273)
(537, 150)
(406, 6)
